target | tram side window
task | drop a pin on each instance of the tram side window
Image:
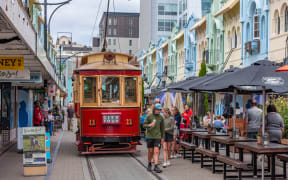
(130, 90)
(90, 90)
(110, 90)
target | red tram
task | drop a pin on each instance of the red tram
(108, 98)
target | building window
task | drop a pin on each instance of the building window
(115, 32)
(286, 19)
(130, 21)
(130, 32)
(235, 39)
(166, 24)
(256, 26)
(130, 42)
(130, 52)
(114, 50)
(109, 21)
(278, 24)
(114, 42)
(167, 9)
(115, 21)
(109, 42)
(109, 31)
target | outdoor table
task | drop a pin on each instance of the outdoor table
(272, 150)
(227, 141)
(206, 137)
(187, 131)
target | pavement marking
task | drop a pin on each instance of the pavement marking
(50, 168)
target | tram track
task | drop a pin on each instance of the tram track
(95, 175)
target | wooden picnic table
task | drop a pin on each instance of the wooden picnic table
(227, 141)
(206, 137)
(272, 150)
(190, 131)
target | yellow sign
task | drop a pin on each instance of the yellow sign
(11, 63)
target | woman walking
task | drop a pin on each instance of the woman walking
(274, 124)
(177, 121)
(169, 129)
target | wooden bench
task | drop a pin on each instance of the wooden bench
(187, 146)
(210, 154)
(284, 159)
(239, 165)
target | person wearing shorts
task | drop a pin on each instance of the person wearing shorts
(155, 134)
(177, 120)
(169, 130)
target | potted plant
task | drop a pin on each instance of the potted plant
(230, 132)
(259, 138)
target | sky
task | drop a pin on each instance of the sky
(79, 16)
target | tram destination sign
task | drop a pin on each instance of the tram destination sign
(11, 63)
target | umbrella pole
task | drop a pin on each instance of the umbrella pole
(234, 109)
(263, 125)
(193, 108)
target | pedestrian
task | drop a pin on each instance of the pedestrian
(169, 129)
(253, 120)
(187, 115)
(156, 101)
(50, 122)
(155, 133)
(177, 122)
(274, 124)
(70, 116)
(37, 114)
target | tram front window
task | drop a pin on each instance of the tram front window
(90, 89)
(110, 90)
(130, 90)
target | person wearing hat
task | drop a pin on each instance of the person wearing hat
(155, 133)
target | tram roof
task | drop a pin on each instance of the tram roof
(103, 66)
(85, 58)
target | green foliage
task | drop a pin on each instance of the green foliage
(281, 104)
(202, 73)
(203, 69)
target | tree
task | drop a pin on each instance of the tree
(203, 72)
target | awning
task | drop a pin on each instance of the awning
(141, 58)
(152, 52)
(179, 35)
(164, 45)
(199, 23)
(227, 6)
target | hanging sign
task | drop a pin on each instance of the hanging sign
(11, 63)
(14, 75)
(52, 90)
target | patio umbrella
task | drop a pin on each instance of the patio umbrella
(176, 87)
(168, 100)
(178, 102)
(283, 68)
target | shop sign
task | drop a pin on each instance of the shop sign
(14, 75)
(34, 146)
(52, 90)
(11, 63)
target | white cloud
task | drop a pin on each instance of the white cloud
(79, 15)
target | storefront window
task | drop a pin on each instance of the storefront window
(90, 89)
(110, 90)
(130, 90)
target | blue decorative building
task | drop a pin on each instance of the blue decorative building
(254, 18)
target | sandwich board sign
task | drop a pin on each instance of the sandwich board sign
(34, 151)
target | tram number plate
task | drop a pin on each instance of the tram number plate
(111, 119)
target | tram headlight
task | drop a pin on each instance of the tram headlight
(111, 119)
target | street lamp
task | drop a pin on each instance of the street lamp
(45, 4)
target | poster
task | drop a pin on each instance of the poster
(34, 146)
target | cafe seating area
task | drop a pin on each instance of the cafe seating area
(220, 153)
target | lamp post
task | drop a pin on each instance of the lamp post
(45, 4)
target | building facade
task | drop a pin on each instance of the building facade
(278, 30)
(255, 23)
(122, 32)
